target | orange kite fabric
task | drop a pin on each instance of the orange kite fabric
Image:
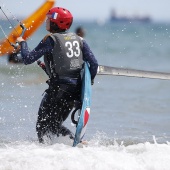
(32, 23)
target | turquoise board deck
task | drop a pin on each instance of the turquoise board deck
(86, 103)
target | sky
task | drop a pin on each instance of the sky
(158, 10)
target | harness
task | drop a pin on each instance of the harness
(66, 59)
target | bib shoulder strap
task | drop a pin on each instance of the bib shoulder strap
(44, 39)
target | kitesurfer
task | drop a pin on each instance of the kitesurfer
(64, 54)
(15, 57)
(80, 31)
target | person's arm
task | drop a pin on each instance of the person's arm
(31, 56)
(90, 58)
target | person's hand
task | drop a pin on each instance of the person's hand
(20, 39)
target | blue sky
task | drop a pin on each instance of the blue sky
(97, 9)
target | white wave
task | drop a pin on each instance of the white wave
(34, 156)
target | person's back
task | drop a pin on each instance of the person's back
(67, 55)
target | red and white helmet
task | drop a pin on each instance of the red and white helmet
(60, 16)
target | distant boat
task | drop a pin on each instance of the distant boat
(115, 18)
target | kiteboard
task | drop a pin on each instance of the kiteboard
(85, 109)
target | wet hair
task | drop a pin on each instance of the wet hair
(54, 28)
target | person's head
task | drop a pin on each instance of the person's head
(80, 32)
(58, 20)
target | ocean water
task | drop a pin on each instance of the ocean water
(130, 117)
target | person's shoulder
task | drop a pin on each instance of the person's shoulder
(82, 38)
(76, 35)
(48, 36)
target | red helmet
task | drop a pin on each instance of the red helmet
(62, 17)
